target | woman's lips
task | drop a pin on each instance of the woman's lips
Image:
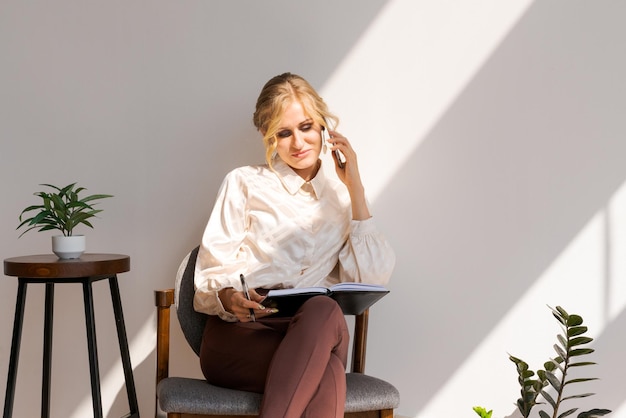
(300, 154)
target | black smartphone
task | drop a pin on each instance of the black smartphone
(340, 161)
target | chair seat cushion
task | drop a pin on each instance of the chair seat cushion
(196, 396)
(367, 393)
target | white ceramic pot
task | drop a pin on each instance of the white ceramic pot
(68, 247)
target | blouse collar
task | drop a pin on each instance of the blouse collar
(293, 182)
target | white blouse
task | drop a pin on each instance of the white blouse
(280, 231)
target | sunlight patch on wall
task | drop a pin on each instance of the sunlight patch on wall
(587, 278)
(112, 382)
(615, 225)
(407, 69)
(619, 412)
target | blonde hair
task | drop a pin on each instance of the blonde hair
(276, 95)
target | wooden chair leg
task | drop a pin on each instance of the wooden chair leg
(360, 342)
(163, 300)
(386, 413)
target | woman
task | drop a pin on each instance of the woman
(285, 224)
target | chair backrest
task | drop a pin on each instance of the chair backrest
(191, 322)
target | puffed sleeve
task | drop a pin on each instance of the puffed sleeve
(367, 256)
(219, 258)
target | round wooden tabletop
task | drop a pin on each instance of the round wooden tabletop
(49, 266)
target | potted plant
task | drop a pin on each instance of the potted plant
(62, 209)
(548, 386)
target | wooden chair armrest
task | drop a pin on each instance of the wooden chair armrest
(163, 300)
(359, 344)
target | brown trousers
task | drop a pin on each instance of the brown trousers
(298, 363)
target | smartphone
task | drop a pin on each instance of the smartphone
(340, 161)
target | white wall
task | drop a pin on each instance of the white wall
(490, 136)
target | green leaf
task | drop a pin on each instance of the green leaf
(47, 202)
(583, 395)
(482, 412)
(538, 385)
(574, 320)
(582, 363)
(568, 412)
(594, 413)
(77, 204)
(87, 223)
(580, 380)
(57, 201)
(529, 397)
(29, 229)
(31, 208)
(96, 196)
(560, 351)
(47, 228)
(581, 352)
(548, 398)
(574, 331)
(562, 312)
(579, 341)
(55, 187)
(554, 381)
(556, 364)
(543, 414)
(42, 216)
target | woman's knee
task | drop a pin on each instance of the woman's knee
(322, 314)
(324, 308)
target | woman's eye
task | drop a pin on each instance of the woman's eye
(306, 127)
(284, 134)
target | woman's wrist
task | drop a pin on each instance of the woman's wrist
(225, 297)
(360, 210)
(360, 214)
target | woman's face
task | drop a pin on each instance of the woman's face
(299, 141)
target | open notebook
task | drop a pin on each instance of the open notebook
(353, 298)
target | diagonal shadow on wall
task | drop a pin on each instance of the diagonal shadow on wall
(526, 155)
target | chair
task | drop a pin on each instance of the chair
(180, 397)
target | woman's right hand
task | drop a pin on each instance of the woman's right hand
(236, 303)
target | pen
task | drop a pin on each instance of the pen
(244, 285)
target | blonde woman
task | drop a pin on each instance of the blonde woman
(286, 224)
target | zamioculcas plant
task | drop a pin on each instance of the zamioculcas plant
(571, 346)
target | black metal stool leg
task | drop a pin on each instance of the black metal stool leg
(124, 351)
(15, 348)
(47, 351)
(93, 349)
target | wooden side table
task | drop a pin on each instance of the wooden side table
(49, 270)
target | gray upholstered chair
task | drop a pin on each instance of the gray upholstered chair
(181, 397)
